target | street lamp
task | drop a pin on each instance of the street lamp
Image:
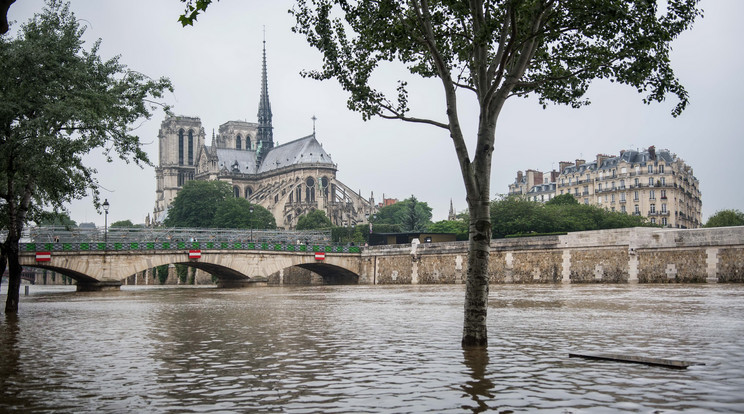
(250, 210)
(105, 221)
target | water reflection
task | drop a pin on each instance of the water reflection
(371, 349)
(479, 387)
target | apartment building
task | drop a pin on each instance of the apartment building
(654, 184)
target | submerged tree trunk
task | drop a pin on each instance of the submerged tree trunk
(475, 330)
(14, 274)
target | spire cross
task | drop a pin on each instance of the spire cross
(314, 119)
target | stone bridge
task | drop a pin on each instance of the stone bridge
(635, 255)
(97, 266)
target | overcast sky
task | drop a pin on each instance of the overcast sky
(215, 67)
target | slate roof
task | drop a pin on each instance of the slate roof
(305, 150)
(630, 156)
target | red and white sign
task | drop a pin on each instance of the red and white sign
(43, 256)
(319, 255)
(194, 254)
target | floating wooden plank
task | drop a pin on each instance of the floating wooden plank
(660, 362)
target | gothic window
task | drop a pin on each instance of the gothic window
(238, 142)
(248, 192)
(299, 193)
(324, 187)
(291, 197)
(180, 179)
(191, 147)
(236, 191)
(180, 147)
(310, 190)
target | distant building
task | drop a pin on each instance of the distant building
(289, 180)
(654, 184)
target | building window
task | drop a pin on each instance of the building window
(299, 193)
(652, 195)
(653, 221)
(622, 184)
(663, 208)
(612, 197)
(664, 221)
(635, 182)
(622, 208)
(180, 147)
(576, 191)
(622, 197)
(236, 191)
(637, 210)
(635, 195)
(662, 180)
(663, 194)
(586, 201)
(650, 181)
(650, 169)
(191, 147)
(652, 209)
(586, 190)
(661, 169)
(600, 187)
(248, 192)
(238, 142)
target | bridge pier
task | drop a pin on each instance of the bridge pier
(98, 286)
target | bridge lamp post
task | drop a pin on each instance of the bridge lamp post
(250, 210)
(105, 222)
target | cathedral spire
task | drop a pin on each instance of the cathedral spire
(265, 129)
(452, 215)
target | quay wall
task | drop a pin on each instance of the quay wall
(634, 255)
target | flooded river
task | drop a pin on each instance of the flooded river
(371, 349)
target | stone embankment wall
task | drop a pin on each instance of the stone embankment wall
(636, 255)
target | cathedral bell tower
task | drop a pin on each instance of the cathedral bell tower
(265, 135)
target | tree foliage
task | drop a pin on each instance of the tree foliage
(407, 215)
(235, 213)
(515, 215)
(123, 224)
(726, 218)
(459, 227)
(314, 220)
(196, 203)
(54, 218)
(58, 102)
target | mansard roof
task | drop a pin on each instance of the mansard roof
(630, 156)
(305, 150)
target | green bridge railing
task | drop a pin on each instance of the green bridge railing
(204, 246)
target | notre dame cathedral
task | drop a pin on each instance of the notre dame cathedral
(289, 180)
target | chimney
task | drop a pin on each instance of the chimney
(554, 176)
(519, 177)
(580, 162)
(601, 158)
(652, 152)
(562, 165)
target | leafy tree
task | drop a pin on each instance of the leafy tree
(496, 50)
(563, 199)
(235, 213)
(58, 102)
(123, 224)
(725, 218)
(314, 220)
(196, 204)
(408, 215)
(459, 227)
(54, 218)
